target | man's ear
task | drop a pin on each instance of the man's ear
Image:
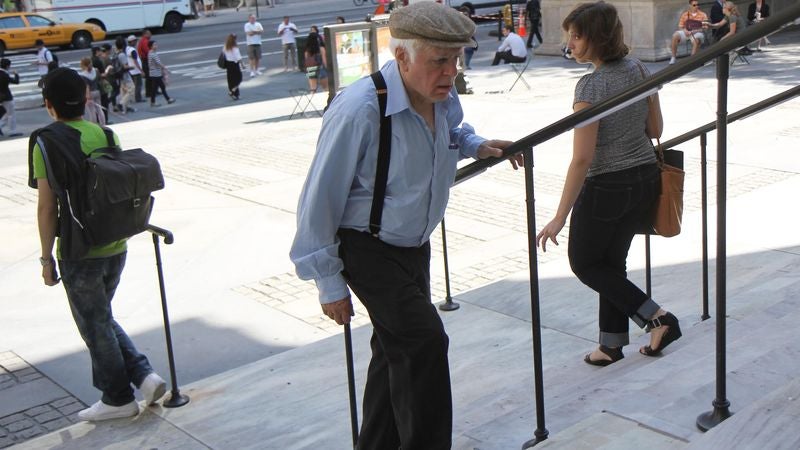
(402, 57)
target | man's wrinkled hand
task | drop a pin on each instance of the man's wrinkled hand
(494, 149)
(340, 310)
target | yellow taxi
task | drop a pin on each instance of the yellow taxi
(21, 30)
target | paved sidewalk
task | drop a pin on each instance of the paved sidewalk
(241, 319)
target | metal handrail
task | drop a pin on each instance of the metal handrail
(645, 86)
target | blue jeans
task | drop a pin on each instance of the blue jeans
(605, 217)
(90, 286)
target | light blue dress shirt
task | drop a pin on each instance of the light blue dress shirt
(338, 190)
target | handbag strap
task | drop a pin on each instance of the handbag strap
(659, 153)
(384, 151)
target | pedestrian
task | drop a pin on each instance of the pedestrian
(198, 7)
(89, 75)
(386, 262)
(315, 63)
(242, 3)
(233, 63)
(143, 48)
(100, 62)
(208, 5)
(158, 72)
(90, 282)
(126, 85)
(135, 71)
(253, 31)
(611, 185)
(107, 55)
(534, 10)
(287, 31)
(7, 98)
(44, 59)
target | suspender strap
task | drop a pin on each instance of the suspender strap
(384, 151)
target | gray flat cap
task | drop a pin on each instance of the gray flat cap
(434, 23)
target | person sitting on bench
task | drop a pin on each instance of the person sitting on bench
(690, 27)
(512, 50)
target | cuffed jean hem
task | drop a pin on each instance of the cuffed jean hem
(648, 309)
(613, 340)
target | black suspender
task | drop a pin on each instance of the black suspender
(384, 151)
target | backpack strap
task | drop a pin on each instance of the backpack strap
(109, 137)
(384, 151)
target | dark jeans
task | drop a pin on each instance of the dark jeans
(146, 76)
(506, 57)
(137, 84)
(234, 75)
(407, 400)
(535, 24)
(156, 84)
(90, 286)
(604, 220)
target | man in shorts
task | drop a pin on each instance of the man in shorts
(253, 31)
(690, 27)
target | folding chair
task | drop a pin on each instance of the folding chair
(739, 55)
(520, 68)
(303, 99)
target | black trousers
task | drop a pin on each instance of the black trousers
(535, 23)
(407, 400)
(506, 57)
(605, 217)
(156, 84)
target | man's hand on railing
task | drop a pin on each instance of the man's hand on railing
(494, 149)
(340, 310)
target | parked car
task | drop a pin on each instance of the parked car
(21, 30)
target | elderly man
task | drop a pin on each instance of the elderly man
(343, 238)
(690, 27)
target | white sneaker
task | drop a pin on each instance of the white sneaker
(672, 60)
(252, 74)
(258, 72)
(101, 411)
(153, 388)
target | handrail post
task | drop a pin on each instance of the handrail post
(704, 214)
(721, 405)
(540, 434)
(176, 398)
(448, 304)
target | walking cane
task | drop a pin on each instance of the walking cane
(176, 398)
(351, 383)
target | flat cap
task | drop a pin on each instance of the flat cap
(434, 23)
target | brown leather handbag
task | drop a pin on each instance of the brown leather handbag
(668, 210)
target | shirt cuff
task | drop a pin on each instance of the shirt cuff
(332, 289)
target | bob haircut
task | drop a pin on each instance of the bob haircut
(599, 24)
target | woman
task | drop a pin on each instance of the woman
(611, 185)
(233, 61)
(315, 63)
(736, 22)
(91, 78)
(157, 73)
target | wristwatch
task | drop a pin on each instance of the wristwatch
(46, 261)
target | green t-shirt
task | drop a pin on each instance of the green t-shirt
(92, 137)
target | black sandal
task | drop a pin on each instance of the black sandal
(672, 334)
(614, 353)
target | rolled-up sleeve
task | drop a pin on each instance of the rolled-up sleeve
(315, 249)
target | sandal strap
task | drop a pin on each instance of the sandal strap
(655, 323)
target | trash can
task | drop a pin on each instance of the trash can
(300, 45)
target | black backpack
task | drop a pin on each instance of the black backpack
(53, 57)
(221, 60)
(102, 198)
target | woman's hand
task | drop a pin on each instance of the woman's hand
(550, 231)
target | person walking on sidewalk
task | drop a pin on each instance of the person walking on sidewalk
(233, 63)
(534, 10)
(122, 72)
(135, 71)
(158, 72)
(386, 262)
(143, 49)
(253, 30)
(611, 185)
(44, 62)
(89, 282)
(287, 31)
(7, 99)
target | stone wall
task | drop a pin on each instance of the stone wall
(648, 24)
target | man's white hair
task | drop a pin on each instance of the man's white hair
(412, 46)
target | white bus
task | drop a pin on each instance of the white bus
(115, 16)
